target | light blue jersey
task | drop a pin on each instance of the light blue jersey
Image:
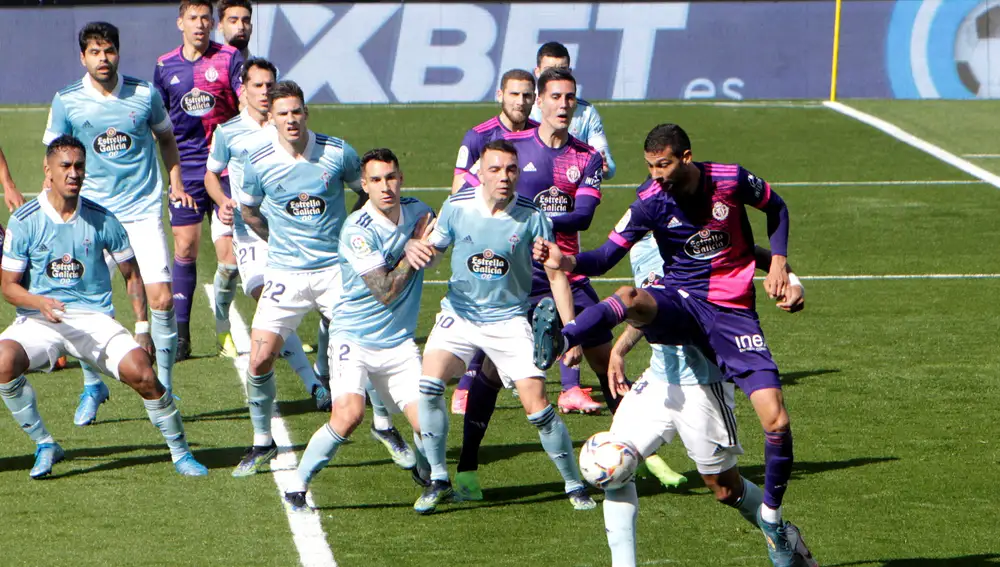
(370, 241)
(302, 199)
(586, 125)
(123, 174)
(676, 364)
(491, 260)
(64, 260)
(229, 141)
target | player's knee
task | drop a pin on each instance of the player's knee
(139, 375)
(725, 492)
(628, 295)
(261, 363)
(13, 362)
(160, 298)
(776, 421)
(347, 414)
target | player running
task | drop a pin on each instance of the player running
(200, 83)
(55, 274)
(375, 323)
(122, 119)
(491, 228)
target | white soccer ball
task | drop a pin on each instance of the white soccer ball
(977, 50)
(608, 462)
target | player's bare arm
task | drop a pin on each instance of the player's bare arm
(213, 186)
(562, 294)
(793, 300)
(172, 161)
(136, 290)
(18, 296)
(11, 196)
(386, 284)
(616, 367)
(255, 220)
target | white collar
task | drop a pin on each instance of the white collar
(382, 219)
(53, 214)
(245, 116)
(484, 206)
(88, 85)
(287, 157)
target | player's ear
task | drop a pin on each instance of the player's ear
(83, 60)
(687, 156)
(499, 95)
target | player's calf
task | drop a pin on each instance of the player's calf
(137, 373)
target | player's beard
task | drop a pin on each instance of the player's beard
(515, 116)
(240, 43)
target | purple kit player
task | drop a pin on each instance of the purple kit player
(200, 83)
(696, 212)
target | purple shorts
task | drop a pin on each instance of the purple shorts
(185, 216)
(584, 296)
(732, 337)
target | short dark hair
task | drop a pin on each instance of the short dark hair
(65, 142)
(260, 63)
(185, 4)
(667, 135)
(383, 155)
(554, 74)
(500, 145)
(227, 4)
(99, 31)
(516, 75)
(284, 89)
(551, 49)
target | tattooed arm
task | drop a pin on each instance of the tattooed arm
(385, 284)
(256, 221)
(136, 290)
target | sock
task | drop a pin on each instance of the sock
(570, 377)
(20, 399)
(164, 415)
(621, 508)
(750, 502)
(225, 292)
(475, 367)
(91, 376)
(557, 443)
(434, 425)
(261, 393)
(380, 415)
(322, 447)
(777, 467)
(611, 401)
(185, 279)
(296, 357)
(595, 321)
(479, 410)
(323, 348)
(163, 330)
(418, 443)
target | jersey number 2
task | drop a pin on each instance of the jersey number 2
(274, 288)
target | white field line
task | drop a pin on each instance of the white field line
(919, 143)
(981, 156)
(839, 277)
(307, 530)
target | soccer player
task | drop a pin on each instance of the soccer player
(229, 141)
(682, 393)
(491, 228)
(200, 83)
(55, 274)
(11, 196)
(376, 320)
(586, 124)
(696, 211)
(122, 119)
(236, 24)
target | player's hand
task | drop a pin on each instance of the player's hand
(418, 253)
(226, 213)
(604, 166)
(548, 253)
(776, 283)
(616, 375)
(12, 198)
(794, 299)
(52, 309)
(573, 356)
(145, 341)
(178, 195)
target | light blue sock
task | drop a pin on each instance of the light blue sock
(91, 376)
(296, 357)
(20, 399)
(380, 415)
(422, 464)
(322, 447)
(621, 508)
(323, 348)
(434, 425)
(557, 443)
(164, 415)
(261, 393)
(750, 502)
(225, 292)
(163, 329)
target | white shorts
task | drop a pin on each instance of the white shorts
(653, 411)
(219, 228)
(394, 372)
(149, 242)
(89, 336)
(508, 344)
(251, 260)
(287, 296)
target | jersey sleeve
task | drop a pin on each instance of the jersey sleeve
(362, 251)
(236, 74)
(593, 174)
(598, 140)
(752, 190)
(351, 168)
(543, 227)
(16, 244)
(441, 237)
(58, 123)
(159, 118)
(116, 240)
(218, 153)
(252, 193)
(634, 224)
(158, 84)
(468, 152)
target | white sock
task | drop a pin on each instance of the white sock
(621, 508)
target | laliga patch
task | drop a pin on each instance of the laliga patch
(757, 183)
(463, 158)
(573, 174)
(488, 265)
(720, 211)
(623, 223)
(359, 246)
(7, 242)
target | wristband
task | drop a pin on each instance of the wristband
(794, 280)
(142, 327)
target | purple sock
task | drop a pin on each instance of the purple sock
(777, 466)
(185, 279)
(595, 320)
(475, 365)
(482, 402)
(570, 376)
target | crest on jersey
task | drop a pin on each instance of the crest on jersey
(488, 265)
(112, 143)
(211, 75)
(720, 211)
(573, 174)
(325, 177)
(86, 245)
(514, 240)
(359, 246)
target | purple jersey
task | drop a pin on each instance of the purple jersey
(199, 95)
(708, 246)
(472, 147)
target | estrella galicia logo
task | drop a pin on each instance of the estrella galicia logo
(944, 49)
(112, 143)
(65, 270)
(197, 102)
(305, 207)
(707, 244)
(555, 201)
(488, 265)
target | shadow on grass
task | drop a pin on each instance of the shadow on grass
(963, 561)
(493, 453)
(233, 414)
(792, 378)
(492, 497)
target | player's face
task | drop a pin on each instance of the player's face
(64, 172)
(558, 103)
(196, 26)
(101, 60)
(383, 182)
(516, 100)
(289, 116)
(236, 27)
(551, 62)
(667, 167)
(255, 87)
(498, 173)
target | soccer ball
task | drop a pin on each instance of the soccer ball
(608, 462)
(977, 50)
